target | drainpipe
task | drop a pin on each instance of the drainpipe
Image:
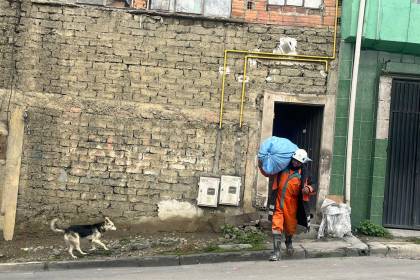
(355, 74)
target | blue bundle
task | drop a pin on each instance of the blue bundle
(275, 154)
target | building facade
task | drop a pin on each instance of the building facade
(125, 109)
(385, 182)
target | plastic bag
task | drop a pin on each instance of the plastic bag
(275, 154)
(335, 220)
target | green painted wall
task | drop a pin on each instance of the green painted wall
(378, 180)
(369, 154)
(390, 39)
(390, 25)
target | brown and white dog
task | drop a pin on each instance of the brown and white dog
(93, 233)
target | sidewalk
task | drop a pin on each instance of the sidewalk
(172, 249)
(348, 247)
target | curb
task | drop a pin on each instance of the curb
(159, 261)
(137, 261)
(395, 250)
(353, 247)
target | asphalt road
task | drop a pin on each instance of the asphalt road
(325, 269)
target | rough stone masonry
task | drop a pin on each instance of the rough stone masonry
(123, 105)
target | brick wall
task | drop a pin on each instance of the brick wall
(261, 12)
(284, 15)
(140, 4)
(123, 107)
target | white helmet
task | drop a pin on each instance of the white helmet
(301, 155)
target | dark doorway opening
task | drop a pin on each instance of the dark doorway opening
(301, 124)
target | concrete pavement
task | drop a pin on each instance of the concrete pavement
(360, 268)
(304, 249)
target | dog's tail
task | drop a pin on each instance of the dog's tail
(53, 227)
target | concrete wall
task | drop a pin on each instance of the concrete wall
(385, 29)
(123, 107)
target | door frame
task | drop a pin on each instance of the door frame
(327, 137)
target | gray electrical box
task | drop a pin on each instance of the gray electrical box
(230, 190)
(208, 191)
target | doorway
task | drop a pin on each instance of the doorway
(301, 124)
(402, 193)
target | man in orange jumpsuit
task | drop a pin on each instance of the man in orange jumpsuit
(286, 190)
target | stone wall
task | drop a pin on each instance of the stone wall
(123, 106)
(8, 21)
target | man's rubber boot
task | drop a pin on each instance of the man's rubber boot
(289, 245)
(277, 248)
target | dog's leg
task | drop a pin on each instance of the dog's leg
(97, 241)
(76, 242)
(93, 247)
(70, 245)
(71, 251)
(80, 250)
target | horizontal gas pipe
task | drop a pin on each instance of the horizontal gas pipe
(270, 58)
(275, 55)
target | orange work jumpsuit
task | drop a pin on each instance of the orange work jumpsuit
(284, 217)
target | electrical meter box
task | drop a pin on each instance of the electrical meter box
(208, 191)
(230, 190)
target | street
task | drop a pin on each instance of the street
(322, 268)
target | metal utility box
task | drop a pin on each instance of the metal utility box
(230, 190)
(208, 191)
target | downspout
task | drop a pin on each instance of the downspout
(353, 92)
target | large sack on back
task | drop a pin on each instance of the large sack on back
(275, 154)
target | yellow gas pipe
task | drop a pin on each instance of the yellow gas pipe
(309, 58)
(269, 58)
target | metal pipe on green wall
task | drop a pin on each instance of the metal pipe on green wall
(353, 100)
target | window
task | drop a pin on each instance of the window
(212, 8)
(250, 5)
(311, 4)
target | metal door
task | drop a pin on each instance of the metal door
(402, 202)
